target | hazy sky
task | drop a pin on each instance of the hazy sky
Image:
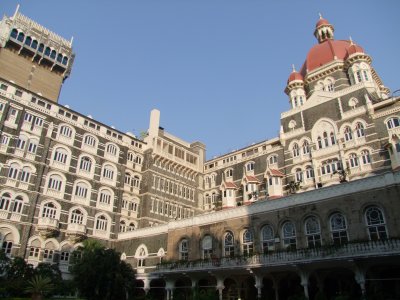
(216, 69)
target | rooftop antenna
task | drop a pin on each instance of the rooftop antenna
(16, 11)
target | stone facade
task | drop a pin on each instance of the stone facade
(313, 210)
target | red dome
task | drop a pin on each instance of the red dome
(322, 21)
(295, 76)
(354, 49)
(328, 51)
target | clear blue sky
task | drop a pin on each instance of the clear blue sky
(216, 69)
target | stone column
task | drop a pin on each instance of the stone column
(275, 286)
(220, 287)
(146, 285)
(258, 285)
(169, 286)
(304, 282)
(359, 275)
(194, 285)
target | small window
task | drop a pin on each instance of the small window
(392, 123)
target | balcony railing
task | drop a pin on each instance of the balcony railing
(276, 258)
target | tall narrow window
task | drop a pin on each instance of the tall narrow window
(289, 235)
(248, 243)
(229, 247)
(206, 245)
(376, 224)
(183, 250)
(313, 232)
(49, 211)
(338, 229)
(267, 238)
(360, 130)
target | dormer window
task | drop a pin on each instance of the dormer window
(392, 123)
(250, 167)
(229, 173)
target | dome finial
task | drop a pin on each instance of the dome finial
(293, 68)
(351, 40)
(320, 15)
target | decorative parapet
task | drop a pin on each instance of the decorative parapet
(264, 205)
(284, 257)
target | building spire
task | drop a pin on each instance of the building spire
(351, 40)
(293, 68)
(320, 16)
(16, 11)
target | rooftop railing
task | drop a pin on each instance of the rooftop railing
(285, 257)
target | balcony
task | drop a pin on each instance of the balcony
(47, 226)
(76, 232)
(280, 258)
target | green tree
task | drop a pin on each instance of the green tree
(17, 273)
(39, 286)
(100, 274)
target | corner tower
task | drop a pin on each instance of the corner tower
(33, 57)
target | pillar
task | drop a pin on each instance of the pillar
(258, 285)
(146, 285)
(220, 287)
(169, 287)
(359, 275)
(304, 282)
(275, 286)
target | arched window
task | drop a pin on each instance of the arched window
(66, 131)
(41, 47)
(101, 223)
(32, 146)
(376, 224)
(348, 135)
(338, 229)
(14, 33)
(365, 157)
(65, 60)
(131, 226)
(141, 259)
(330, 87)
(309, 172)
(105, 197)
(136, 181)
(81, 190)
(53, 54)
(90, 140)
(353, 160)
(267, 239)
(49, 210)
(326, 139)
(7, 247)
(128, 179)
(55, 182)
(60, 155)
(18, 205)
(248, 243)
(5, 201)
(229, 173)
(131, 156)
(360, 130)
(392, 123)
(111, 149)
(296, 150)
(47, 51)
(229, 245)
(299, 175)
(122, 226)
(319, 142)
(250, 166)
(313, 232)
(21, 37)
(76, 216)
(183, 250)
(289, 235)
(21, 142)
(333, 138)
(13, 171)
(108, 172)
(85, 164)
(273, 159)
(206, 245)
(306, 147)
(26, 174)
